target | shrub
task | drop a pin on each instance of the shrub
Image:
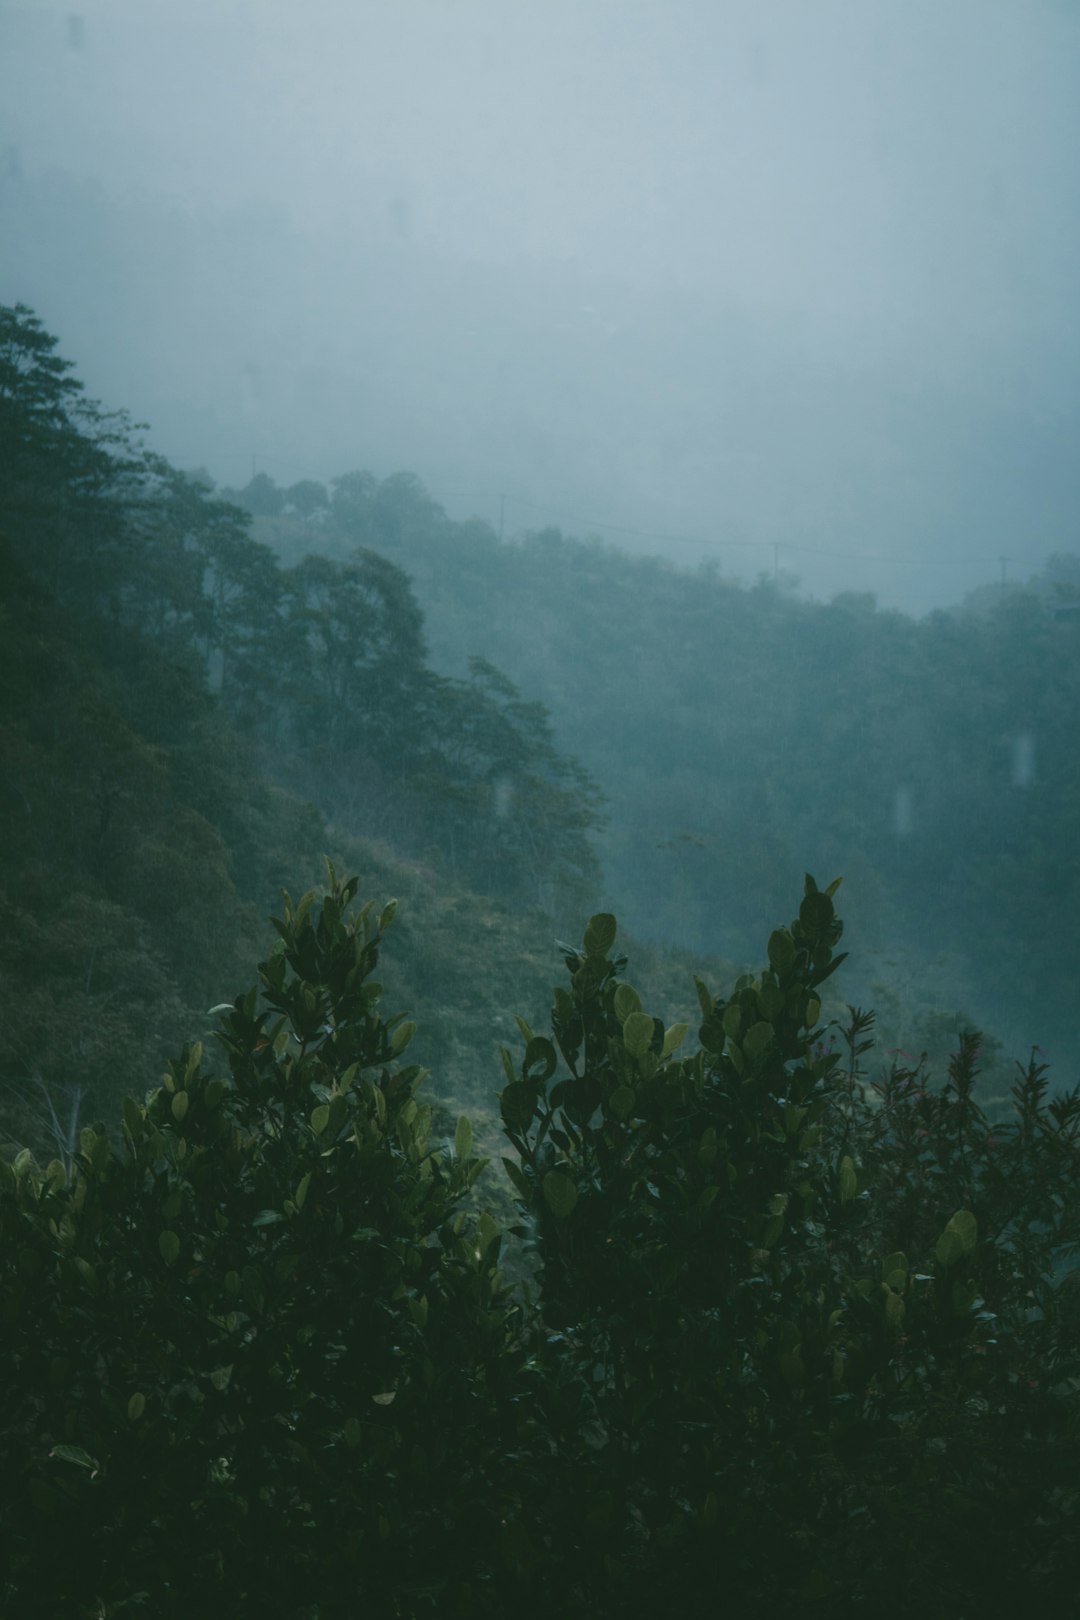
(808, 1347)
(252, 1351)
(799, 1343)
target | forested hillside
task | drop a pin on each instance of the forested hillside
(741, 734)
(187, 727)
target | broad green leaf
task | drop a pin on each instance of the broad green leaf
(320, 1118)
(402, 1036)
(302, 1190)
(704, 995)
(485, 1232)
(517, 1104)
(849, 1180)
(674, 1036)
(621, 1102)
(179, 1106)
(757, 1038)
(638, 1033)
(517, 1176)
(626, 1001)
(463, 1137)
(136, 1406)
(76, 1455)
(600, 932)
(781, 951)
(560, 1194)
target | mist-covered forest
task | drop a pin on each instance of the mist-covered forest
(539, 810)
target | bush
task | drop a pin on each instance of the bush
(799, 1343)
(252, 1352)
(808, 1348)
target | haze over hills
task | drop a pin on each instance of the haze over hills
(805, 305)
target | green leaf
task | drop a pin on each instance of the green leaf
(76, 1455)
(704, 995)
(168, 1247)
(816, 914)
(621, 1102)
(401, 1037)
(539, 1055)
(958, 1239)
(220, 1377)
(387, 915)
(638, 1033)
(781, 951)
(674, 1036)
(320, 1118)
(463, 1137)
(136, 1406)
(849, 1180)
(600, 932)
(894, 1271)
(625, 1002)
(517, 1103)
(517, 1176)
(302, 1190)
(485, 1232)
(179, 1105)
(894, 1308)
(560, 1194)
(757, 1039)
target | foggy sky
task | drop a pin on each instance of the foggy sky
(746, 273)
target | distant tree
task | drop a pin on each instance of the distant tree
(307, 497)
(261, 496)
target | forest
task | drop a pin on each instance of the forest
(772, 1297)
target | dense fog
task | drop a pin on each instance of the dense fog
(789, 286)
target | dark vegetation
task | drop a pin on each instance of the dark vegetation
(750, 1318)
(794, 1349)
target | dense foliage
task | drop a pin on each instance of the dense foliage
(322, 665)
(794, 1346)
(181, 718)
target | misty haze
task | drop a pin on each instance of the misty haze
(569, 508)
